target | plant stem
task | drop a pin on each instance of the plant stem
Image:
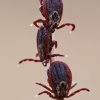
(52, 59)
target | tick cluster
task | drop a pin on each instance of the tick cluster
(59, 73)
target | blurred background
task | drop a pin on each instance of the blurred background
(18, 41)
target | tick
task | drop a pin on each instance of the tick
(60, 81)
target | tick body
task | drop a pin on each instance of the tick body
(44, 46)
(60, 81)
(52, 10)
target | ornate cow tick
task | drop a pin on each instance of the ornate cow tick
(60, 80)
(52, 10)
(44, 46)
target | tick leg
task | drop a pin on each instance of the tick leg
(48, 93)
(54, 55)
(44, 87)
(36, 55)
(48, 75)
(73, 85)
(41, 10)
(24, 60)
(41, 1)
(54, 43)
(38, 21)
(48, 72)
(83, 89)
(67, 24)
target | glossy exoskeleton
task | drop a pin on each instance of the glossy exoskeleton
(60, 80)
(44, 46)
(52, 10)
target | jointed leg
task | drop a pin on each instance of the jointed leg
(24, 60)
(67, 24)
(48, 93)
(83, 89)
(54, 55)
(54, 43)
(36, 55)
(41, 1)
(38, 21)
(44, 87)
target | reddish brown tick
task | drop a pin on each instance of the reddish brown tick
(52, 11)
(60, 80)
(44, 46)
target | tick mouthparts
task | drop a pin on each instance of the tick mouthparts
(54, 25)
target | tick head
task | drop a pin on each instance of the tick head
(62, 89)
(54, 18)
